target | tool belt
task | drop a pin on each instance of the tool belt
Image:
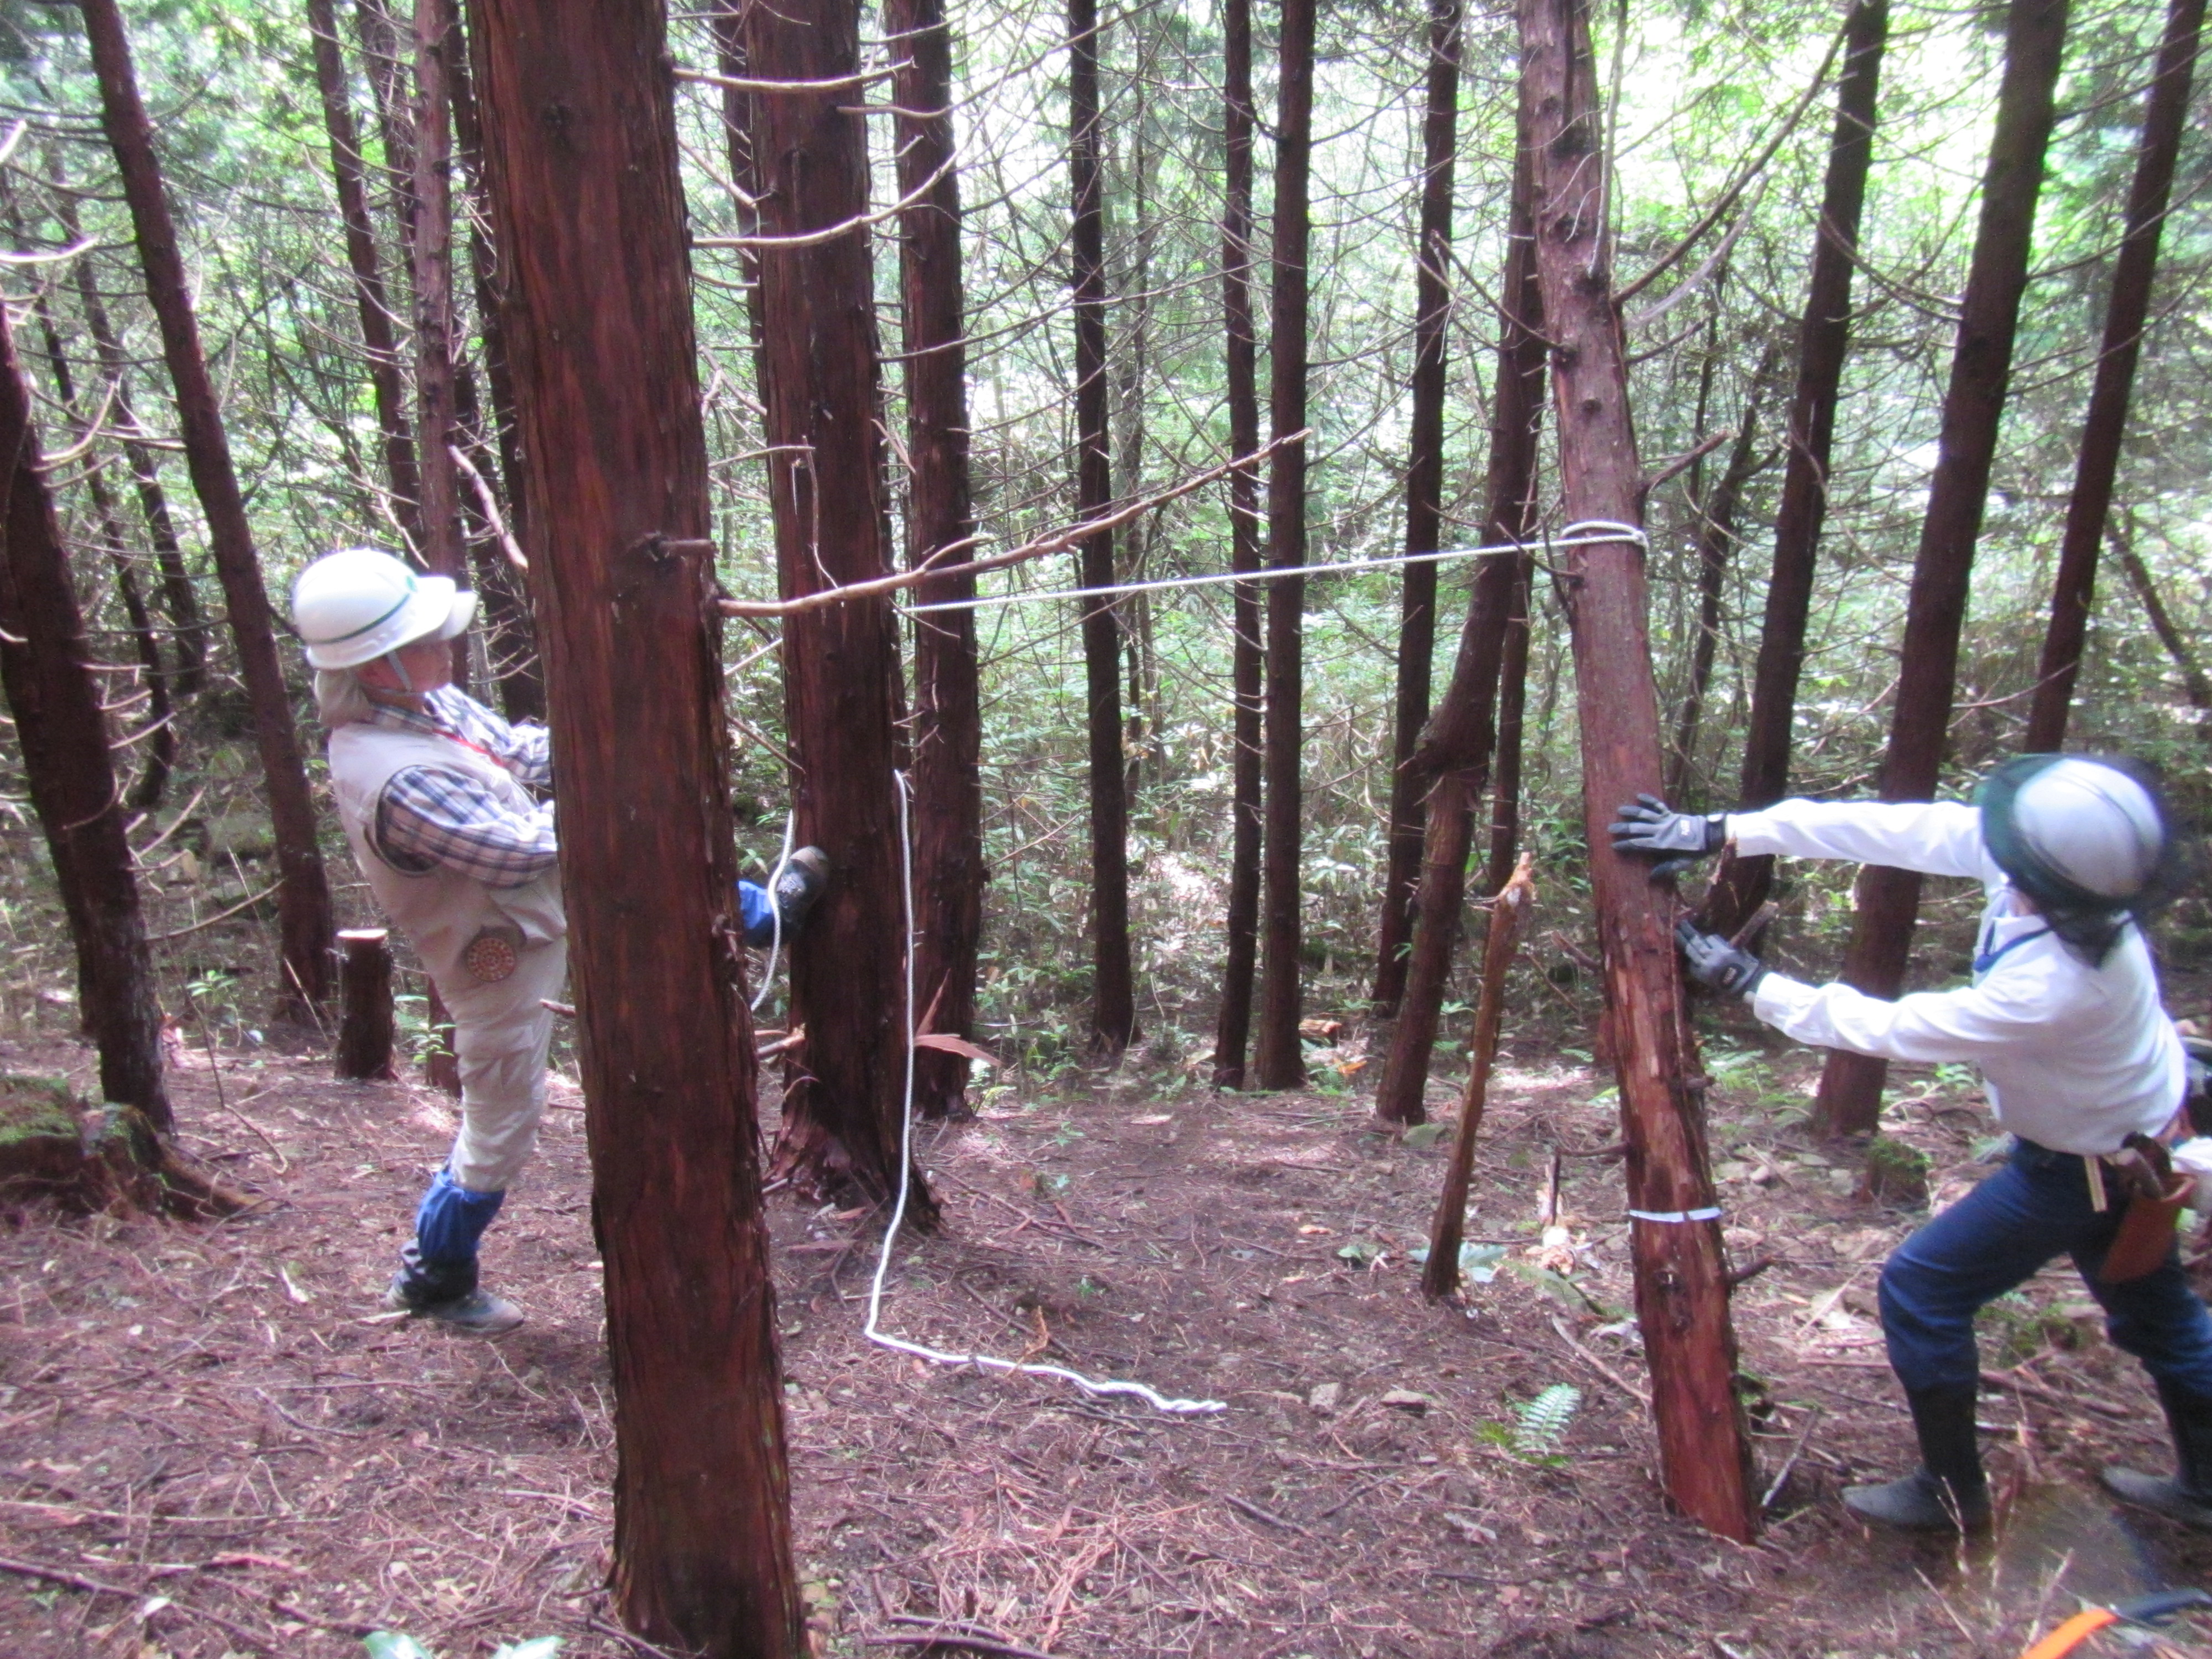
(2145, 1177)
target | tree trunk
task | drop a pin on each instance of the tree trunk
(364, 1047)
(1424, 485)
(1278, 1062)
(738, 132)
(303, 898)
(1713, 541)
(441, 546)
(44, 667)
(1448, 1228)
(2165, 109)
(1824, 340)
(387, 54)
(948, 792)
(1112, 997)
(178, 599)
(1233, 1029)
(2196, 683)
(843, 1099)
(510, 636)
(1512, 707)
(159, 730)
(1681, 1289)
(1453, 757)
(590, 216)
(1849, 1100)
(346, 170)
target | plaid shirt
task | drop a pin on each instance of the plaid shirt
(429, 815)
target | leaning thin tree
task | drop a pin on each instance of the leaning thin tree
(1681, 1283)
(303, 898)
(2164, 113)
(580, 150)
(52, 696)
(1849, 1100)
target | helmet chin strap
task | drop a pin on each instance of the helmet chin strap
(406, 680)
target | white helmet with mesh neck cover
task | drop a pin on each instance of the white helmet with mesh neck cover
(2085, 838)
(353, 606)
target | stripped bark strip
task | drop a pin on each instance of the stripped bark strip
(1508, 912)
(1681, 1292)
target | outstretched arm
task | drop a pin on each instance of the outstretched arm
(1966, 1025)
(1938, 838)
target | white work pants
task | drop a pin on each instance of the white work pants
(501, 1033)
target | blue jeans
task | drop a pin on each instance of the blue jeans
(1999, 1236)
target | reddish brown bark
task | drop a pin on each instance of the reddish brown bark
(347, 171)
(580, 152)
(387, 56)
(843, 1100)
(1823, 343)
(948, 746)
(1278, 1060)
(738, 133)
(303, 895)
(1453, 758)
(1113, 992)
(63, 735)
(1233, 1029)
(1425, 484)
(364, 1045)
(2166, 108)
(1849, 1099)
(1448, 1228)
(433, 252)
(1681, 1290)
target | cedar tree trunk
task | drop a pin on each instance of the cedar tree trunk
(303, 902)
(1453, 758)
(948, 791)
(1425, 484)
(580, 153)
(1849, 1100)
(375, 307)
(1682, 1287)
(1114, 997)
(844, 1093)
(2164, 110)
(441, 548)
(1278, 1060)
(1824, 335)
(1233, 1031)
(44, 669)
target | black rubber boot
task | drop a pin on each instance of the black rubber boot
(806, 873)
(448, 1293)
(2186, 1495)
(1946, 1492)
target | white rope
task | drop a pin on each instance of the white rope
(774, 909)
(873, 1330)
(1585, 532)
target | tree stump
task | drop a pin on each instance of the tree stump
(364, 1051)
(88, 1159)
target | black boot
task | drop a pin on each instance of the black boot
(2186, 1495)
(1946, 1492)
(446, 1292)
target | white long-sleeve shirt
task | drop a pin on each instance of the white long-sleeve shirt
(2076, 1058)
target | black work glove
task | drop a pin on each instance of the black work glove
(1648, 825)
(1716, 964)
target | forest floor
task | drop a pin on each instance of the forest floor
(217, 1427)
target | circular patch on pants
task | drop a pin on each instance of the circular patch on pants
(492, 955)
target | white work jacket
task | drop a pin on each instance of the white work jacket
(2076, 1058)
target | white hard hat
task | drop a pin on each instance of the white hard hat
(2074, 831)
(2093, 825)
(352, 606)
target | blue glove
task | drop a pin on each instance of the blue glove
(1716, 964)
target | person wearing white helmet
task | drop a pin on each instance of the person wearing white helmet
(434, 791)
(2064, 1018)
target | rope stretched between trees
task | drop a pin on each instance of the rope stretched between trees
(873, 1330)
(1585, 532)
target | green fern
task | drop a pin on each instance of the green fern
(1542, 1423)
